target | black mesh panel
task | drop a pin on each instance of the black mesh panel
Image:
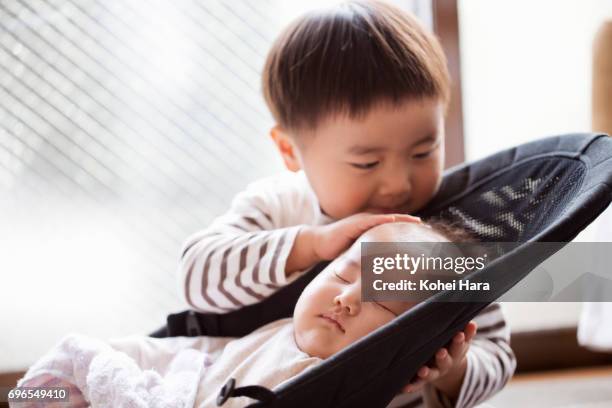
(516, 204)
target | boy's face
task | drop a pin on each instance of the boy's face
(329, 314)
(389, 161)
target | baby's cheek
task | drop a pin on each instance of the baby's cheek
(383, 318)
(373, 322)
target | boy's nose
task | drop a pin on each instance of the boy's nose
(396, 186)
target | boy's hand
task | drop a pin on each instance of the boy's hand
(317, 243)
(333, 239)
(449, 369)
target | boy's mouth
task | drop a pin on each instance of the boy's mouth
(399, 209)
(330, 318)
(384, 210)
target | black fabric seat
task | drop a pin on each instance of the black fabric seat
(543, 191)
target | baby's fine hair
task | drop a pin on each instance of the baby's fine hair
(451, 231)
(347, 58)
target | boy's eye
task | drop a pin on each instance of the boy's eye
(422, 155)
(365, 166)
(426, 154)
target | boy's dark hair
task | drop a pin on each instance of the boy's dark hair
(345, 59)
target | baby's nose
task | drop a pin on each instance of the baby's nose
(348, 303)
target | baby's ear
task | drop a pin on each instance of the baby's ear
(286, 147)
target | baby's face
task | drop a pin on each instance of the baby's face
(329, 315)
(389, 161)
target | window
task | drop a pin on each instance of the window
(125, 127)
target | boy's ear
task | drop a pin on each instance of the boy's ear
(286, 147)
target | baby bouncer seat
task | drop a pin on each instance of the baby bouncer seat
(543, 191)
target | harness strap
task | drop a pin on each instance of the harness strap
(243, 321)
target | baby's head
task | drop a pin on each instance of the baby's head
(358, 92)
(329, 315)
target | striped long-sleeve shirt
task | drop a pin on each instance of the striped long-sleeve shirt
(240, 260)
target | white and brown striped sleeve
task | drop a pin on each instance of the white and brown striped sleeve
(240, 259)
(490, 360)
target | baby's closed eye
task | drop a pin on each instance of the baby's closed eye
(340, 277)
(385, 308)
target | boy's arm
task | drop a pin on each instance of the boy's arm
(269, 235)
(241, 258)
(490, 363)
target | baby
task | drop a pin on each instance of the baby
(185, 372)
(333, 298)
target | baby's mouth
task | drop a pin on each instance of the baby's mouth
(330, 318)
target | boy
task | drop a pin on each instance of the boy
(358, 93)
(189, 371)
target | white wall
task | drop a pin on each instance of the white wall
(526, 69)
(526, 74)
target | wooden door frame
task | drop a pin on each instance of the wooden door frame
(446, 26)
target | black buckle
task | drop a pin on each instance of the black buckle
(256, 392)
(226, 392)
